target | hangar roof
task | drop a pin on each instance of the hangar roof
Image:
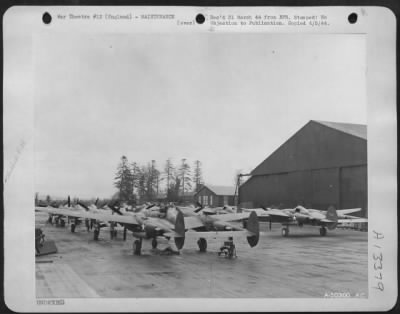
(359, 130)
(318, 145)
(220, 190)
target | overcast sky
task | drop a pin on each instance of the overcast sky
(228, 100)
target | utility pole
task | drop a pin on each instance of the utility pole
(238, 183)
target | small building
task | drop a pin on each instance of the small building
(187, 197)
(215, 196)
(323, 164)
(183, 198)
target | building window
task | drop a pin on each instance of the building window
(199, 199)
(225, 200)
(211, 200)
(205, 200)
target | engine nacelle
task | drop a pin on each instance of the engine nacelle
(220, 226)
(301, 219)
(151, 231)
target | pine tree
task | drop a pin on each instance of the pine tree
(142, 183)
(135, 172)
(175, 188)
(123, 180)
(184, 175)
(157, 180)
(197, 175)
(36, 199)
(169, 177)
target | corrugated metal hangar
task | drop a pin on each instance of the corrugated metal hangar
(323, 164)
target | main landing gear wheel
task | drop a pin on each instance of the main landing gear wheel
(202, 243)
(154, 243)
(96, 234)
(322, 231)
(72, 227)
(285, 232)
(137, 247)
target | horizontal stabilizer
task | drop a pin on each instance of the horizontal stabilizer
(173, 234)
(328, 220)
(216, 234)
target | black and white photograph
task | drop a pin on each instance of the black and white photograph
(212, 164)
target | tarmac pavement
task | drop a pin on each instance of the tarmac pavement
(301, 265)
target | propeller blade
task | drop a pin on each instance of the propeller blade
(114, 209)
(83, 205)
(198, 209)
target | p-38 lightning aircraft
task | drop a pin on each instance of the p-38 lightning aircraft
(141, 226)
(300, 216)
(206, 222)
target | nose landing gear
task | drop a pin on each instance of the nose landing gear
(202, 243)
(137, 247)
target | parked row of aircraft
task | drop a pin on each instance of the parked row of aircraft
(152, 222)
(300, 216)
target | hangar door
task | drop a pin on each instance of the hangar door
(325, 189)
(354, 188)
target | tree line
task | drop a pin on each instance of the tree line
(146, 182)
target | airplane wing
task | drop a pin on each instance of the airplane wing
(111, 217)
(341, 212)
(193, 222)
(231, 217)
(222, 220)
(269, 214)
(160, 224)
(352, 220)
(348, 217)
(60, 211)
(216, 234)
(227, 225)
(277, 213)
(47, 209)
(90, 215)
(347, 211)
